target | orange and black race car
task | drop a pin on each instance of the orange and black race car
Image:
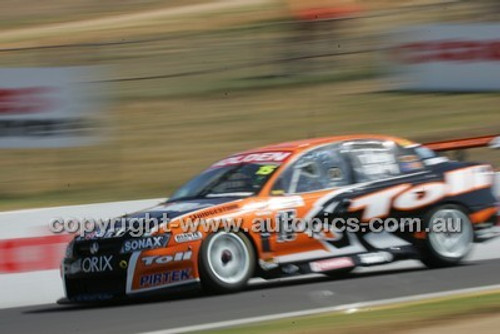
(323, 205)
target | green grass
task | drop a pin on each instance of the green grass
(391, 319)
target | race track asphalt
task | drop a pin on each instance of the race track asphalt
(258, 299)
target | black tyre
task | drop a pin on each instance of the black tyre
(226, 262)
(447, 245)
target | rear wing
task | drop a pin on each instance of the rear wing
(458, 146)
(492, 141)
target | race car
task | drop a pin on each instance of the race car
(324, 205)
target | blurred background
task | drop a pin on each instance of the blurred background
(164, 88)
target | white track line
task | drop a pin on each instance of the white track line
(340, 308)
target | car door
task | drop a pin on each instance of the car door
(302, 187)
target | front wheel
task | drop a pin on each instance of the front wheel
(449, 237)
(226, 262)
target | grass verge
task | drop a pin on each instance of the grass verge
(389, 319)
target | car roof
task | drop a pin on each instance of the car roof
(298, 146)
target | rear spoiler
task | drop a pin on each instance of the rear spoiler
(492, 141)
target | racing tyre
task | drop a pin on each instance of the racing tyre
(444, 249)
(226, 262)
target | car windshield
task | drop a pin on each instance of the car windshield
(241, 180)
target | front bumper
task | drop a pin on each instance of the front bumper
(81, 286)
(105, 276)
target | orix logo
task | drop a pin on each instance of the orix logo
(97, 264)
(405, 197)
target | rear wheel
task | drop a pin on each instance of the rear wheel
(449, 237)
(227, 262)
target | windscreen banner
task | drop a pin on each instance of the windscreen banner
(446, 57)
(49, 107)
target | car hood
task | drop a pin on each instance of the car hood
(179, 208)
(170, 210)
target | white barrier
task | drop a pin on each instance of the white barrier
(35, 222)
(27, 248)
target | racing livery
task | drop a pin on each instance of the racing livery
(279, 195)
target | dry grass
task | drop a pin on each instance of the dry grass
(159, 144)
(27, 13)
(129, 22)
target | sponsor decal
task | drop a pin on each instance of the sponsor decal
(288, 202)
(187, 237)
(214, 211)
(464, 180)
(409, 163)
(331, 264)
(266, 170)
(408, 158)
(137, 244)
(107, 233)
(182, 207)
(94, 248)
(156, 259)
(97, 264)
(449, 51)
(164, 278)
(411, 166)
(374, 162)
(375, 258)
(253, 158)
(406, 197)
(284, 219)
(26, 100)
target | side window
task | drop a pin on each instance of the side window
(372, 160)
(319, 169)
(409, 160)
